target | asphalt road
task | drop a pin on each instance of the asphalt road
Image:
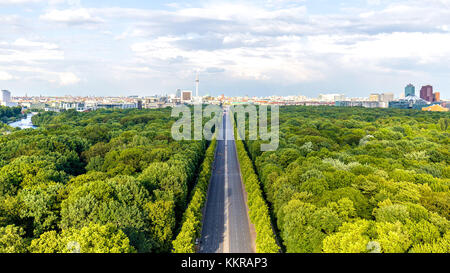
(225, 225)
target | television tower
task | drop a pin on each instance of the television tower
(197, 82)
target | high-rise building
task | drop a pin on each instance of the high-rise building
(437, 97)
(410, 90)
(426, 93)
(5, 97)
(178, 93)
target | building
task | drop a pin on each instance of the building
(410, 102)
(365, 104)
(79, 106)
(437, 97)
(410, 91)
(435, 108)
(115, 106)
(331, 97)
(387, 97)
(5, 97)
(186, 96)
(375, 97)
(426, 93)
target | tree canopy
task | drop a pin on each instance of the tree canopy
(358, 180)
(100, 181)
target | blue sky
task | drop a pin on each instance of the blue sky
(255, 48)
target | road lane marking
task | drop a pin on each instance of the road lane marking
(226, 200)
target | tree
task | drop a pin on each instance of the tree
(344, 208)
(305, 226)
(393, 237)
(121, 201)
(351, 238)
(440, 246)
(444, 123)
(93, 238)
(162, 217)
(11, 240)
(41, 204)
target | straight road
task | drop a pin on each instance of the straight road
(226, 226)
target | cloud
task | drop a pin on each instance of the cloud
(42, 74)
(79, 16)
(271, 43)
(24, 43)
(24, 2)
(5, 76)
(18, 2)
(25, 51)
(33, 60)
(68, 78)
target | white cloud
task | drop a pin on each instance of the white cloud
(68, 78)
(277, 42)
(77, 16)
(25, 51)
(5, 76)
(16, 2)
(282, 62)
(31, 60)
(23, 2)
(21, 42)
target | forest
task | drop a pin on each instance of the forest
(10, 114)
(354, 180)
(107, 181)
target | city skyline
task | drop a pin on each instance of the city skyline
(249, 48)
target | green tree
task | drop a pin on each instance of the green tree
(93, 238)
(11, 240)
(351, 238)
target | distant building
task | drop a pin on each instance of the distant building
(365, 104)
(426, 93)
(79, 106)
(331, 97)
(410, 102)
(178, 93)
(186, 96)
(410, 91)
(5, 97)
(375, 97)
(387, 97)
(435, 108)
(115, 106)
(437, 97)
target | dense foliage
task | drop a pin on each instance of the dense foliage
(193, 217)
(359, 180)
(258, 209)
(10, 114)
(102, 181)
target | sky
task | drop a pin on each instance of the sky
(254, 48)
